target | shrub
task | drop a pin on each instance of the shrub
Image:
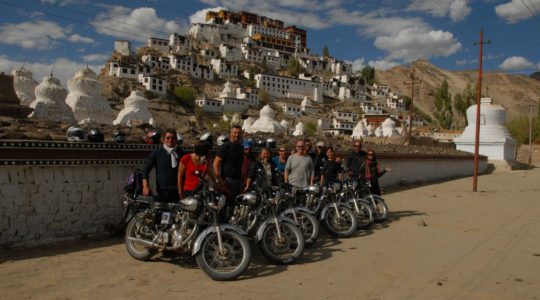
(185, 95)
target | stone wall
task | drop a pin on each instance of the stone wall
(41, 204)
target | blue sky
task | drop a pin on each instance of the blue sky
(64, 35)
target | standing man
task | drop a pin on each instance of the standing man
(319, 159)
(246, 162)
(299, 168)
(228, 161)
(165, 160)
(355, 161)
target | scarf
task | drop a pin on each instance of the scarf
(173, 154)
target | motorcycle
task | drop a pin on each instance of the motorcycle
(191, 225)
(338, 218)
(376, 202)
(364, 213)
(279, 238)
(309, 225)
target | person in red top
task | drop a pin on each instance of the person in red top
(189, 163)
(371, 171)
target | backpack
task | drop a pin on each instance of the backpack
(134, 185)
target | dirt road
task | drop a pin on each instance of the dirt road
(442, 242)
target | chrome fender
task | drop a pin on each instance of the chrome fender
(211, 229)
(329, 207)
(297, 208)
(270, 221)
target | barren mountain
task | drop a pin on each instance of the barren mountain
(513, 91)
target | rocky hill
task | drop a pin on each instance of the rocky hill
(513, 91)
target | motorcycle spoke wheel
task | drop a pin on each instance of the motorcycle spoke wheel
(380, 211)
(364, 215)
(340, 223)
(282, 250)
(137, 229)
(230, 263)
(309, 227)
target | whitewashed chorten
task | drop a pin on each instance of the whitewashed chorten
(246, 126)
(85, 99)
(389, 127)
(25, 86)
(135, 110)
(266, 122)
(360, 130)
(379, 132)
(50, 102)
(495, 140)
(299, 129)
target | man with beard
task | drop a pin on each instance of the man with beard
(165, 160)
(228, 161)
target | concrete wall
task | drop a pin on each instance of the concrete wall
(42, 204)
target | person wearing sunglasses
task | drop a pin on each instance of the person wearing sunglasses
(355, 160)
(371, 171)
(165, 160)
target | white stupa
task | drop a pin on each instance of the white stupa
(266, 122)
(299, 129)
(225, 118)
(246, 125)
(360, 131)
(85, 99)
(370, 130)
(25, 85)
(495, 140)
(50, 102)
(379, 132)
(135, 109)
(389, 127)
(236, 119)
(285, 124)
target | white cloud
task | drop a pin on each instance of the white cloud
(517, 10)
(382, 65)
(136, 24)
(32, 35)
(63, 69)
(200, 16)
(358, 64)
(412, 44)
(516, 63)
(95, 57)
(457, 10)
(80, 39)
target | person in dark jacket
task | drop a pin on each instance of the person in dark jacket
(331, 169)
(371, 171)
(165, 160)
(355, 161)
(228, 162)
(319, 159)
(263, 170)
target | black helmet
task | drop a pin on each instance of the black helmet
(261, 143)
(94, 135)
(75, 134)
(270, 143)
(152, 137)
(207, 138)
(222, 139)
(119, 136)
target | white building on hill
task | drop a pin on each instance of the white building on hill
(120, 70)
(379, 90)
(291, 109)
(227, 101)
(154, 84)
(225, 69)
(250, 95)
(158, 44)
(345, 116)
(123, 47)
(178, 41)
(372, 108)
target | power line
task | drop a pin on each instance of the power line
(533, 15)
(533, 6)
(166, 7)
(94, 15)
(71, 19)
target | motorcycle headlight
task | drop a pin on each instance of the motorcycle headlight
(221, 201)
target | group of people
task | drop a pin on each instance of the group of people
(235, 168)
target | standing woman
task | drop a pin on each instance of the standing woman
(267, 174)
(331, 169)
(189, 163)
(372, 172)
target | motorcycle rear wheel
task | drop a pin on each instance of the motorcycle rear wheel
(341, 223)
(309, 226)
(137, 229)
(228, 265)
(285, 250)
(364, 214)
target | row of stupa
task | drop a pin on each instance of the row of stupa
(83, 104)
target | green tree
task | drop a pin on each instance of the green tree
(263, 97)
(311, 128)
(368, 72)
(325, 51)
(443, 106)
(294, 67)
(185, 95)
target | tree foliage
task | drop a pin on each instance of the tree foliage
(185, 95)
(519, 128)
(325, 51)
(294, 67)
(368, 72)
(443, 106)
(311, 128)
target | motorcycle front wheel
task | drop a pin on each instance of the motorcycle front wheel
(341, 222)
(230, 263)
(364, 214)
(380, 211)
(286, 249)
(308, 225)
(136, 229)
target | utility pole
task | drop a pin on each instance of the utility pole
(414, 80)
(531, 105)
(478, 96)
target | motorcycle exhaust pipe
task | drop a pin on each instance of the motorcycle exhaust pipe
(143, 242)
